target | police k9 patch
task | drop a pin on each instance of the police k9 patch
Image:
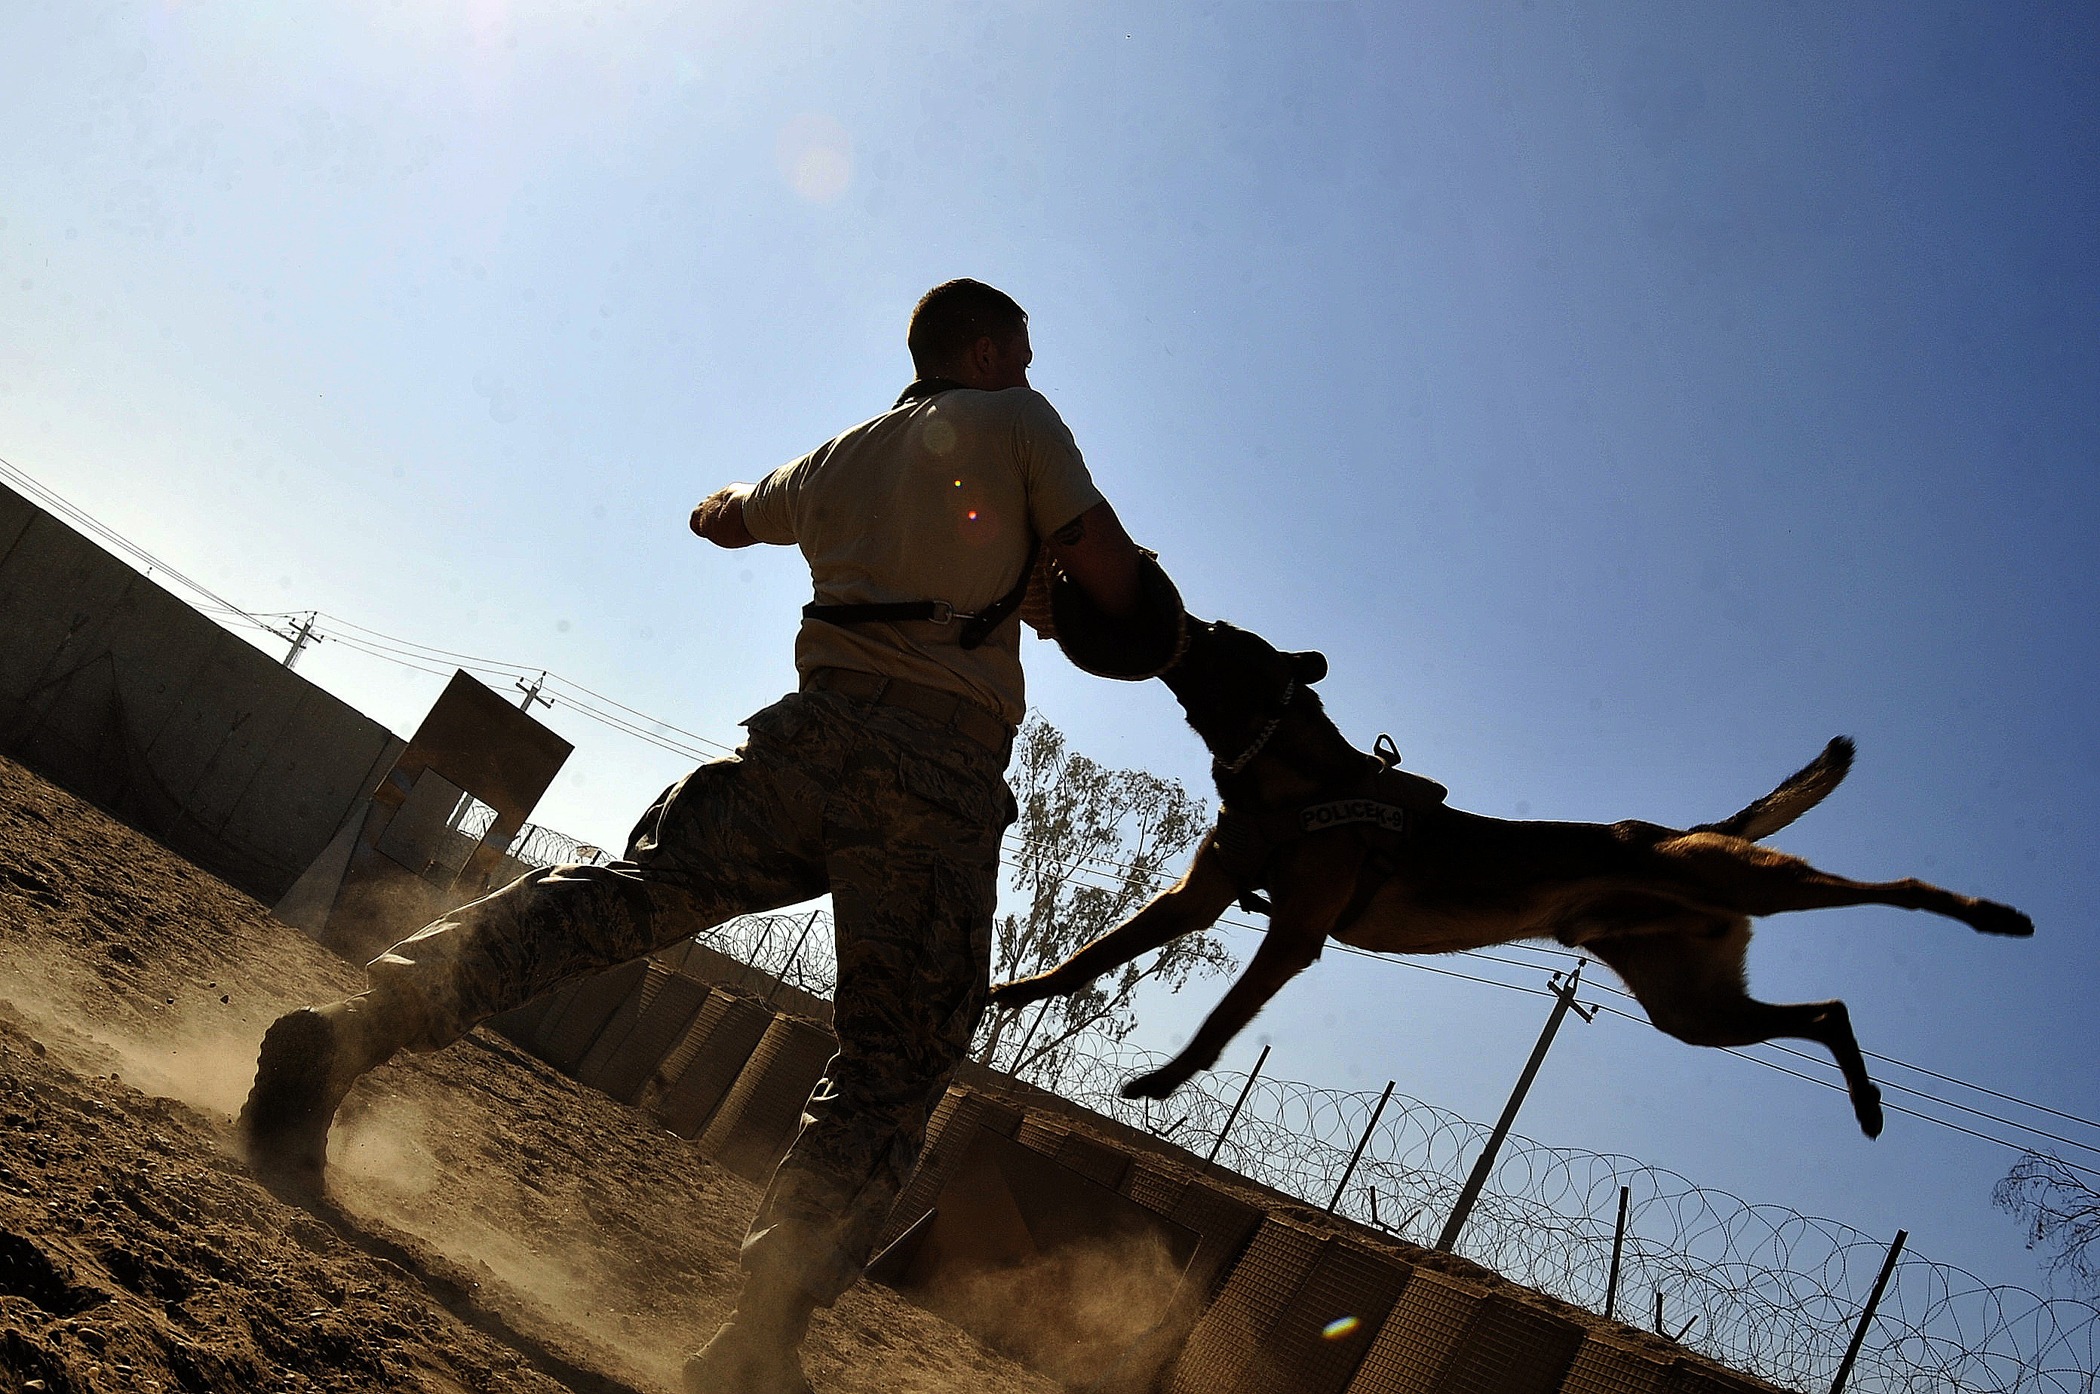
(1345, 811)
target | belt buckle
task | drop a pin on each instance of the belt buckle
(943, 612)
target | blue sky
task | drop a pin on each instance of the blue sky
(1626, 399)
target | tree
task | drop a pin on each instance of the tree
(1091, 845)
(2061, 1210)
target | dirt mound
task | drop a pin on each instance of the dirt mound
(492, 1225)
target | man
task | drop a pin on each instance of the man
(881, 781)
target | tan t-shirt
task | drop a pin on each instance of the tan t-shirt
(933, 500)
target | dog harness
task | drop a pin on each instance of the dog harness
(1377, 806)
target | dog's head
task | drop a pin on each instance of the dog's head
(1233, 683)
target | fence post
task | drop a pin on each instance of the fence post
(1866, 1318)
(1021, 1051)
(1618, 1244)
(1564, 995)
(1234, 1116)
(1357, 1155)
(794, 956)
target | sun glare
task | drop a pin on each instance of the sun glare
(816, 156)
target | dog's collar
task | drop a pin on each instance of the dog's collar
(1228, 767)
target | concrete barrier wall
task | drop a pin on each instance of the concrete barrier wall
(116, 690)
(1275, 1299)
(955, 1123)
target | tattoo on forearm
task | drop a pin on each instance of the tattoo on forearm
(1070, 533)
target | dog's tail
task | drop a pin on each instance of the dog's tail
(1801, 791)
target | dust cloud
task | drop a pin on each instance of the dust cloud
(1070, 1313)
(182, 1040)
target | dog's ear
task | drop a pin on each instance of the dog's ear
(1309, 667)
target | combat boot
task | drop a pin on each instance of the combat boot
(757, 1351)
(309, 1060)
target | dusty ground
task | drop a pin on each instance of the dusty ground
(491, 1226)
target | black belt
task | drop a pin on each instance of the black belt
(975, 629)
(950, 709)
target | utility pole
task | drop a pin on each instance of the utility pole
(1564, 993)
(304, 636)
(532, 692)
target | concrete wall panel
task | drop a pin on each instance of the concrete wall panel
(55, 590)
(577, 1011)
(115, 689)
(294, 802)
(949, 1133)
(16, 514)
(159, 645)
(236, 707)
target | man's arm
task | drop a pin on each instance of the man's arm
(1096, 553)
(720, 517)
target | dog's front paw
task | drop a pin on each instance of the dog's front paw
(1019, 993)
(1155, 1085)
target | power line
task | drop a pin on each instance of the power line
(122, 543)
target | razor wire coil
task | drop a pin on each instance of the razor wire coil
(1759, 1287)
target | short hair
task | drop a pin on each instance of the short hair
(953, 316)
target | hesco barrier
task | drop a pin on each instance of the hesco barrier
(1604, 1367)
(1295, 1317)
(641, 1033)
(757, 1120)
(954, 1125)
(1275, 1298)
(692, 1079)
(561, 1025)
(1447, 1337)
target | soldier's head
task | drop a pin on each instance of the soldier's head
(969, 332)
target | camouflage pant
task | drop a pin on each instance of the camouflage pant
(899, 819)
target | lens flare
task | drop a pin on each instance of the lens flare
(1340, 1327)
(816, 156)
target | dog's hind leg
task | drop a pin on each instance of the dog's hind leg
(1192, 903)
(1690, 982)
(1311, 886)
(1759, 881)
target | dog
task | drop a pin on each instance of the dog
(1347, 844)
